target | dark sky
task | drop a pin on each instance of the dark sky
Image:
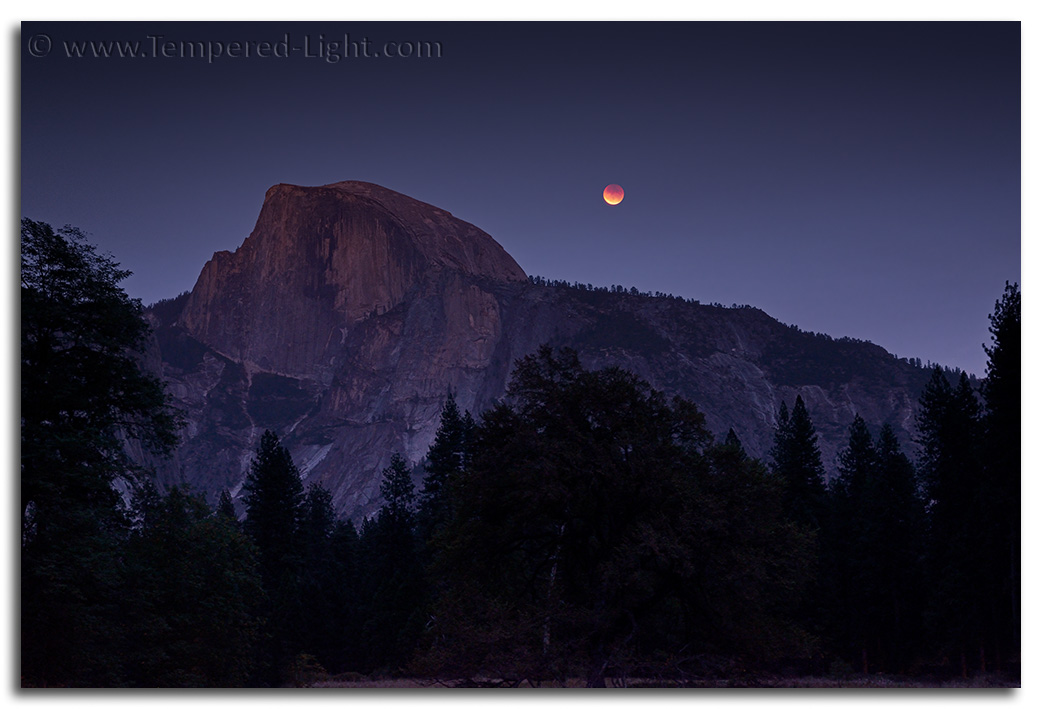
(859, 179)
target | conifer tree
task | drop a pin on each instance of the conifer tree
(325, 629)
(894, 547)
(848, 546)
(274, 500)
(856, 462)
(399, 493)
(393, 588)
(797, 459)
(875, 546)
(318, 520)
(350, 651)
(446, 459)
(225, 506)
(1002, 421)
(732, 442)
(949, 433)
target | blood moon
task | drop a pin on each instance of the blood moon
(613, 194)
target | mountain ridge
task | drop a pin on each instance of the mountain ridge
(354, 310)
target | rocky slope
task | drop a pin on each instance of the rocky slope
(350, 312)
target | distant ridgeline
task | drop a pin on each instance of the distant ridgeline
(632, 291)
(351, 311)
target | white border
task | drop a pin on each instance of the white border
(534, 10)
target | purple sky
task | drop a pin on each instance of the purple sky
(859, 179)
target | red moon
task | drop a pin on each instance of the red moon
(613, 194)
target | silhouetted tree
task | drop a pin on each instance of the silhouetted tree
(592, 529)
(325, 619)
(398, 512)
(846, 543)
(1002, 422)
(875, 544)
(797, 460)
(894, 549)
(274, 500)
(393, 585)
(192, 597)
(83, 396)
(732, 441)
(226, 507)
(446, 459)
(759, 566)
(346, 598)
(949, 433)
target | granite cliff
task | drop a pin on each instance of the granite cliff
(350, 312)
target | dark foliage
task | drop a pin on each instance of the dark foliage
(797, 461)
(597, 526)
(446, 460)
(873, 551)
(83, 394)
(393, 586)
(167, 310)
(192, 600)
(1002, 444)
(274, 500)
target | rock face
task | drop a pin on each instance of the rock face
(351, 311)
(320, 261)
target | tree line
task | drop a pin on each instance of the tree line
(587, 526)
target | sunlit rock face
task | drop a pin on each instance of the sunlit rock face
(320, 261)
(351, 311)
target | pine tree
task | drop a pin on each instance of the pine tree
(732, 442)
(274, 500)
(895, 547)
(797, 460)
(393, 587)
(1002, 421)
(399, 493)
(949, 433)
(346, 598)
(849, 546)
(446, 459)
(856, 462)
(226, 507)
(318, 520)
(324, 632)
(875, 544)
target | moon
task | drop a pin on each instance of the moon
(613, 194)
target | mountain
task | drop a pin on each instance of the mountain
(351, 311)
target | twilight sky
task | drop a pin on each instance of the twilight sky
(859, 179)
